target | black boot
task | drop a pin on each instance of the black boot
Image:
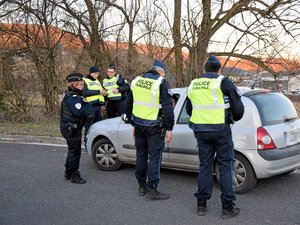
(67, 175)
(201, 207)
(229, 210)
(76, 178)
(153, 194)
(142, 190)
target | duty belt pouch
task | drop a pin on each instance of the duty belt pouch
(159, 122)
(71, 128)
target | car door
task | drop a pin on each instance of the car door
(183, 153)
(127, 144)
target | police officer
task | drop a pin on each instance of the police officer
(94, 92)
(149, 105)
(75, 110)
(213, 104)
(117, 87)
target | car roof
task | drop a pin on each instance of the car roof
(243, 90)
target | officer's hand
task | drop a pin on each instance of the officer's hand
(168, 136)
(115, 91)
(103, 92)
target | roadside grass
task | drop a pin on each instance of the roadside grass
(43, 128)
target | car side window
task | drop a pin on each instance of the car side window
(183, 117)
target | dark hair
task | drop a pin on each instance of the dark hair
(175, 97)
(111, 66)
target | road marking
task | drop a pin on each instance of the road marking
(34, 143)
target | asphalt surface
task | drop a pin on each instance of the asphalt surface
(33, 192)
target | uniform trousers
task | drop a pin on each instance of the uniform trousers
(96, 111)
(219, 144)
(149, 143)
(115, 108)
(74, 147)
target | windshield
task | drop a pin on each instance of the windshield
(274, 108)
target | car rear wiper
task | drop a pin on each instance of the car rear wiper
(289, 119)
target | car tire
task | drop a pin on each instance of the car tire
(104, 155)
(244, 178)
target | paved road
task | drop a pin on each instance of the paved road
(33, 192)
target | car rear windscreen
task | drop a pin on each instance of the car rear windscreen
(274, 108)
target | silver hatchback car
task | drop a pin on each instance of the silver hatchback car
(266, 140)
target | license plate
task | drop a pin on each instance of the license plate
(292, 137)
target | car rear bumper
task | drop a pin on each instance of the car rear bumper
(282, 153)
(267, 165)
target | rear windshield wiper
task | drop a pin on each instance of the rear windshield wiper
(289, 119)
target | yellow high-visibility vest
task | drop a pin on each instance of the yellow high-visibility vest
(109, 84)
(146, 103)
(208, 101)
(94, 85)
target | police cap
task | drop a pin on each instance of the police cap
(94, 69)
(74, 77)
(212, 64)
(157, 64)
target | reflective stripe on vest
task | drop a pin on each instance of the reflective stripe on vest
(146, 105)
(94, 85)
(207, 101)
(109, 84)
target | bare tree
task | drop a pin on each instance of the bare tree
(269, 17)
(40, 42)
(178, 44)
(130, 10)
(194, 24)
(86, 19)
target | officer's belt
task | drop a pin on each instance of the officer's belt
(225, 106)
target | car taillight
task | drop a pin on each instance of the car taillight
(264, 140)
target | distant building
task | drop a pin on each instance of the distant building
(294, 83)
(286, 82)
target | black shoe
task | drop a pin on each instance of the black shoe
(142, 191)
(201, 207)
(229, 211)
(67, 175)
(153, 194)
(76, 178)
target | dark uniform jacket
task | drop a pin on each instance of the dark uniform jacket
(166, 111)
(73, 108)
(236, 110)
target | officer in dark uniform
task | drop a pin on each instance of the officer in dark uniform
(148, 107)
(75, 111)
(213, 104)
(117, 87)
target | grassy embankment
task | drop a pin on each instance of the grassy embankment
(45, 128)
